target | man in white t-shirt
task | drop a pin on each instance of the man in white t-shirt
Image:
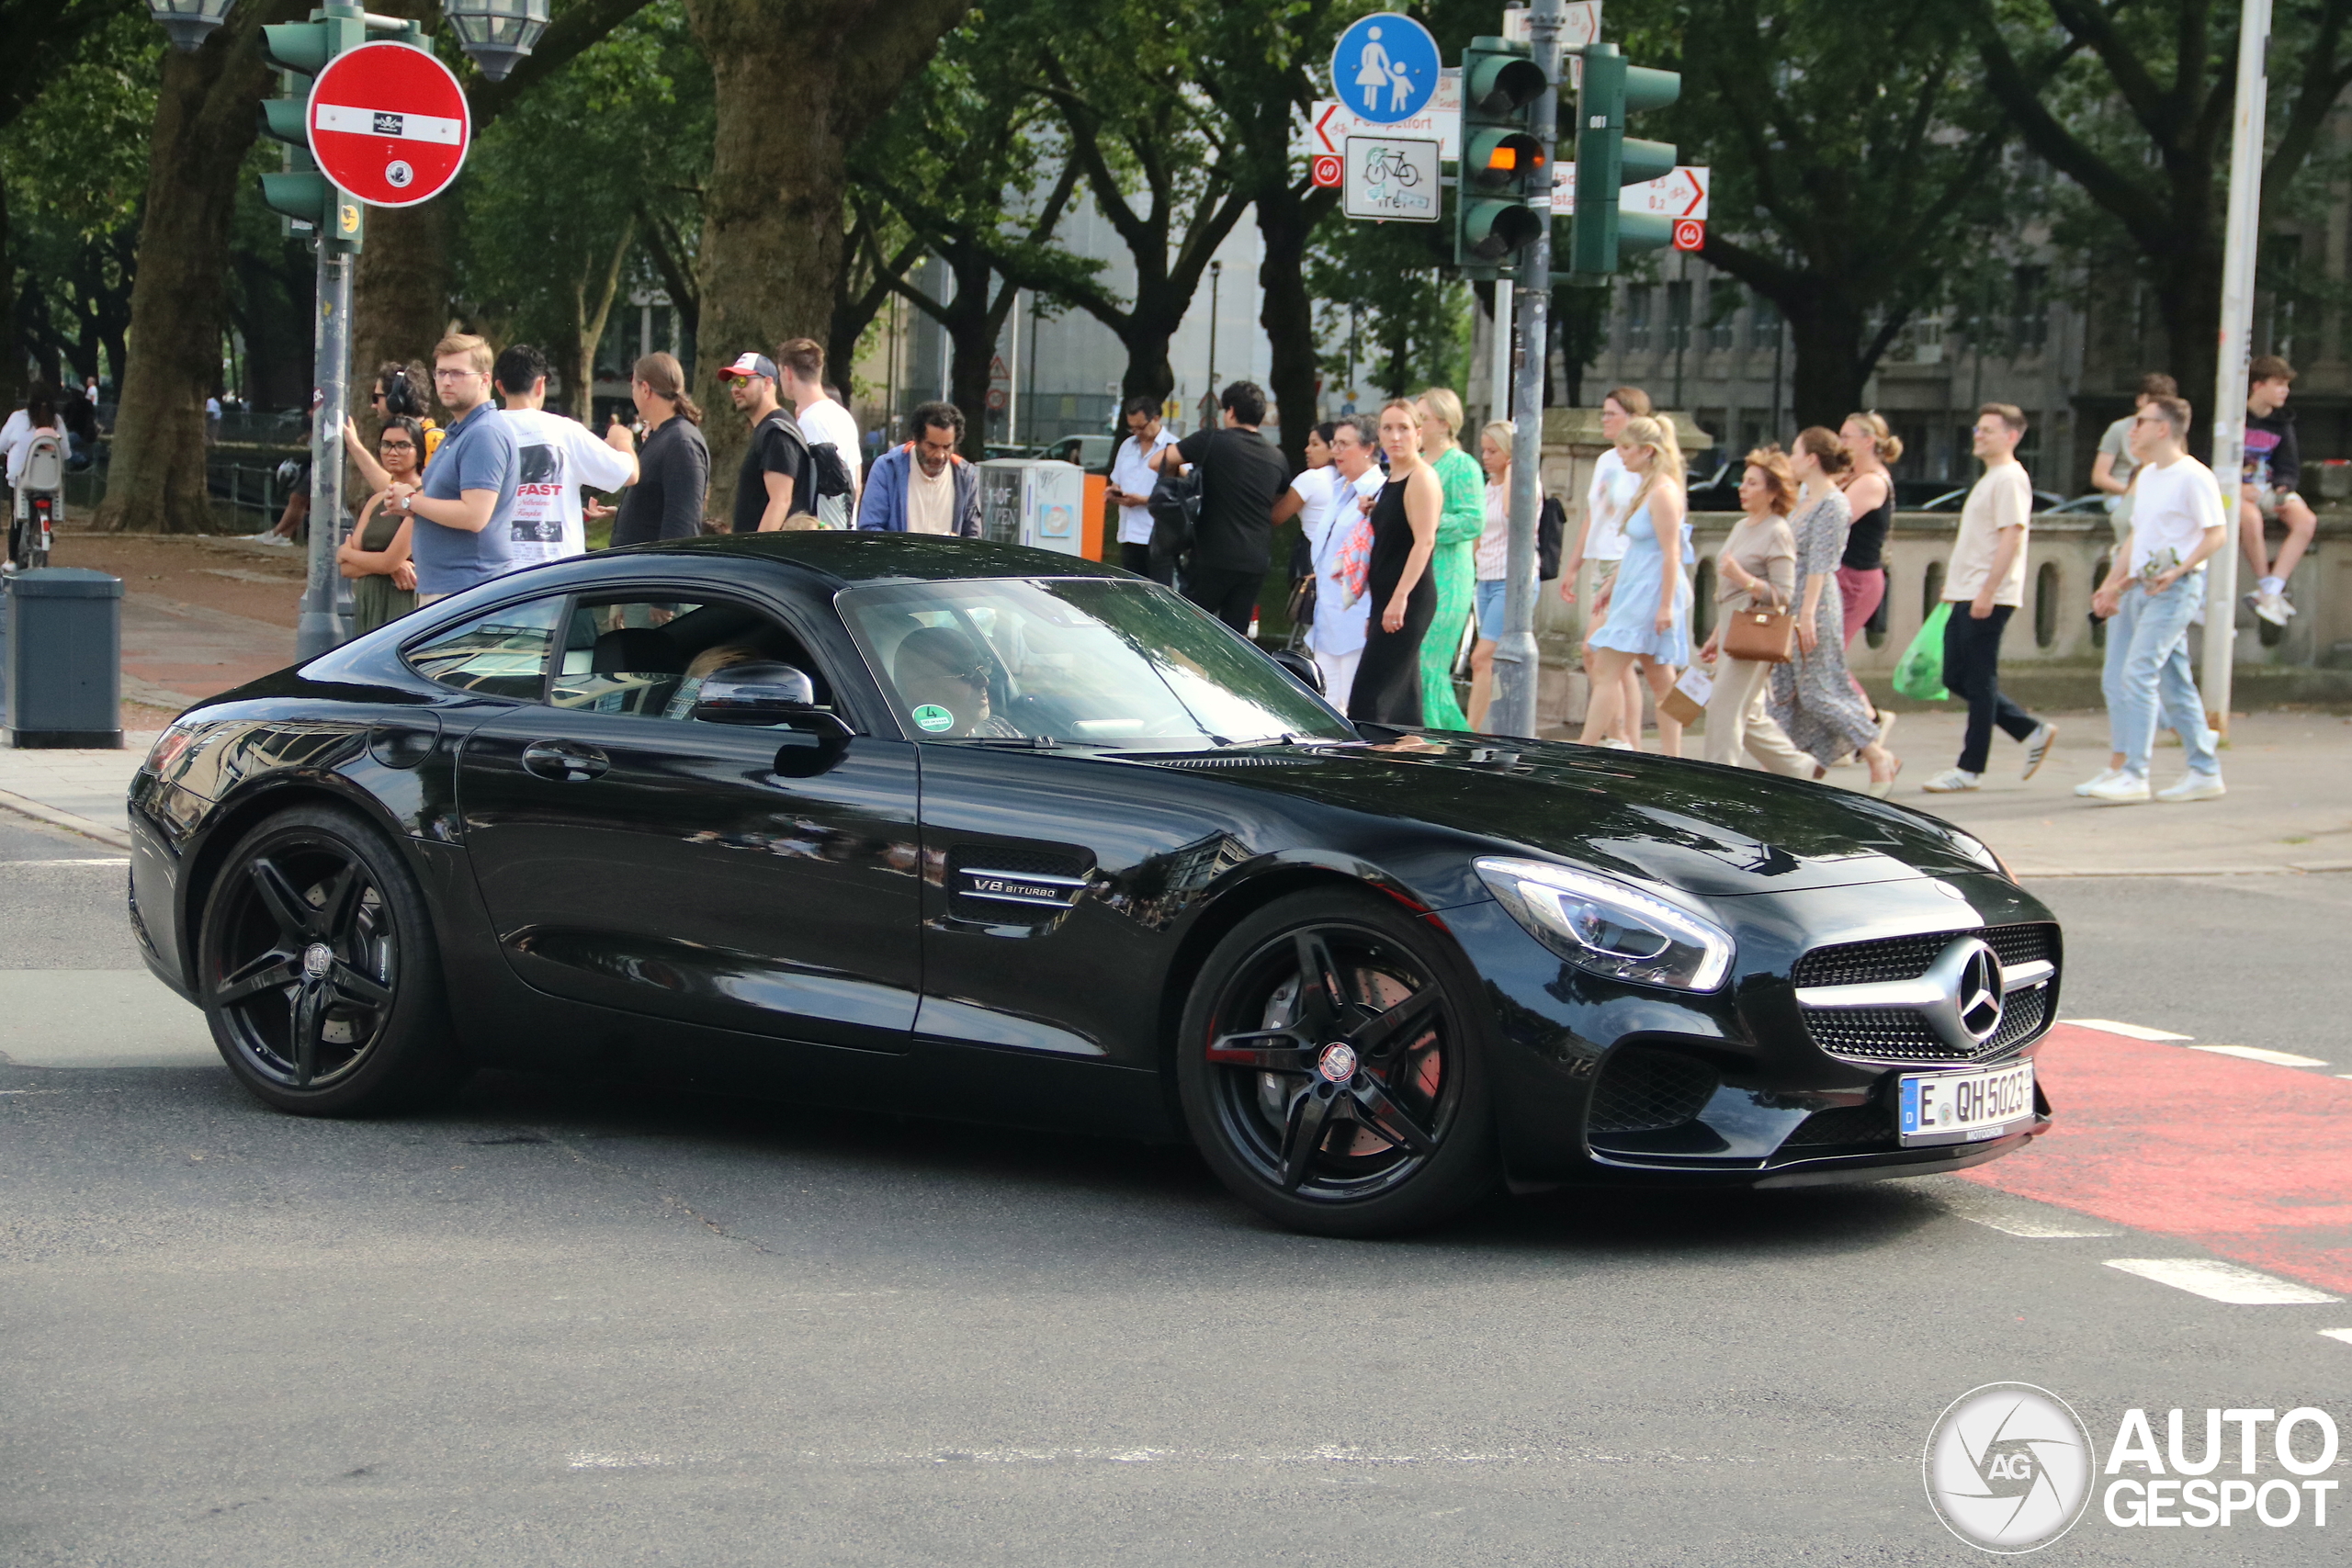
(1985, 584)
(1601, 538)
(555, 457)
(2148, 599)
(801, 381)
(1131, 481)
(2112, 466)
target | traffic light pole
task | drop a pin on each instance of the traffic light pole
(2243, 235)
(321, 628)
(1517, 667)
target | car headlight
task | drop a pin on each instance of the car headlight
(1608, 928)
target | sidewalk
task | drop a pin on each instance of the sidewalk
(2289, 809)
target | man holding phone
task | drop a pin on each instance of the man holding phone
(1131, 481)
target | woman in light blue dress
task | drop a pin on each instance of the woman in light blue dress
(1649, 609)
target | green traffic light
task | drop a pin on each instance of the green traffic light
(1600, 234)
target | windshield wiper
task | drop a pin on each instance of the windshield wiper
(1010, 742)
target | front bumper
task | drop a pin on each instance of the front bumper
(1601, 1083)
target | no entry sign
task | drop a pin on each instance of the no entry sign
(389, 124)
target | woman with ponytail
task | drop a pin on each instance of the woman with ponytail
(673, 466)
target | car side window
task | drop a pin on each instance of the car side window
(650, 656)
(502, 654)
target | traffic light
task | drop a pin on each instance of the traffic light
(1608, 161)
(299, 191)
(1503, 169)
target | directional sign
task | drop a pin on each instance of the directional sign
(389, 124)
(1331, 123)
(1385, 68)
(1391, 177)
(1682, 194)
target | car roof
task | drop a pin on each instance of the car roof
(852, 557)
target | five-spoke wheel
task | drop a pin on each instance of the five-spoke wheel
(1327, 1073)
(317, 971)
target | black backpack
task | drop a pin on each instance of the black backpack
(824, 462)
(1550, 524)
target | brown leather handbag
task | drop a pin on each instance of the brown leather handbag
(1764, 636)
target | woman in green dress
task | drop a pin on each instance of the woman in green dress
(374, 557)
(1454, 566)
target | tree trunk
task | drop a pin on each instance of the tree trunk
(594, 297)
(2188, 296)
(1286, 220)
(205, 124)
(795, 81)
(400, 296)
(1826, 335)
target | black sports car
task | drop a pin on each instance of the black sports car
(969, 830)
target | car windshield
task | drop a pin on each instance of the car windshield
(1079, 661)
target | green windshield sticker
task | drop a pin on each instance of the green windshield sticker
(934, 717)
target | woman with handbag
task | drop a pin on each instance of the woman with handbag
(1812, 699)
(1756, 582)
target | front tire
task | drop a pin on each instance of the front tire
(317, 971)
(1331, 1068)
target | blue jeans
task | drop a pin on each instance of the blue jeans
(2147, 668)
(1490, 600)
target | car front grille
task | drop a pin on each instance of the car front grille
(1902, 1034)
(1646, 1091)
(1842, 1125)
(1908, 957)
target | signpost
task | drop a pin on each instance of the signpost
(1385, 68)
(389, 124)
(1331, 122)
(1391, 179)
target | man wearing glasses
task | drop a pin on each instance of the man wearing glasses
(465, 509)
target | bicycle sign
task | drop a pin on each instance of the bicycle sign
(1392, 178)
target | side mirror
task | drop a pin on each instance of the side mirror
(760, 693)
(1300, 667)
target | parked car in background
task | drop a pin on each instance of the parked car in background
(1950, 498)
(1716, 490)
(1091, 453)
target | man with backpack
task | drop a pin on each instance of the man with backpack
(828, 427)
(776, 485)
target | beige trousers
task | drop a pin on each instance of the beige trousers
(1736, 721)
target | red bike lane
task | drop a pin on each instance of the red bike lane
(2250, 1160)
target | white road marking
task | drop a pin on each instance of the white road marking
(2128, 1031)
(2343, 1334)
(2220, 1281)
(2256, 1053)
(2014, 1216)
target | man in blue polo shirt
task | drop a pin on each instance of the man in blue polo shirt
(464, 512)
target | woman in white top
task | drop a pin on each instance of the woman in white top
(1601, 540)
(38, 417)
(1343, 605)
(1313, 496)
(1494, 564)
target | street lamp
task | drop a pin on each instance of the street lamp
(496, 33)
(189, 22)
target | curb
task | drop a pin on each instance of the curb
(116, 837)
(2292, 868)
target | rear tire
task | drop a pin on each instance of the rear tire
(317, 971)
(1332, 1068)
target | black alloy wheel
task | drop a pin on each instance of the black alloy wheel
(1329, 1074)
(317, 970)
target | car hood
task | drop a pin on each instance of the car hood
(1708, 830)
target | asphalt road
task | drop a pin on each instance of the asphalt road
(558, 1325)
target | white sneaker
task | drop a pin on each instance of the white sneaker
(2120, 789)
(2106, 775)
(2195, 785)
(2037, 747)
(2272, 607)
(1952, 781)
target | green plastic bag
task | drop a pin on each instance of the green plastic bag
(1920, 675)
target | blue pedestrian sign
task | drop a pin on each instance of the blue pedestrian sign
(1385, 69)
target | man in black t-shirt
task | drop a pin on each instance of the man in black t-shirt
(775, 488)
(1242, 477)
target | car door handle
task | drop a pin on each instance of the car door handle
(566, 762)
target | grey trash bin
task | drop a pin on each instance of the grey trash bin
(65, 658)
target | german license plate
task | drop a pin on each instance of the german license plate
(1961, 1108)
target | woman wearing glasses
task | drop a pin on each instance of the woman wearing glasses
(374, 557)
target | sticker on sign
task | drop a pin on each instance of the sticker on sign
(1392, 178)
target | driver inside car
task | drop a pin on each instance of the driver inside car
(943, 677)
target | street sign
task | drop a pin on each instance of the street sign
(1391, 177)
(1682, 194)
(389, 124)
(1326, 170)
(1330, 123)
(1689, 234)
(1385, 68)
(1580, 25)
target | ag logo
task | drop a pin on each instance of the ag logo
(2008, 1468)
